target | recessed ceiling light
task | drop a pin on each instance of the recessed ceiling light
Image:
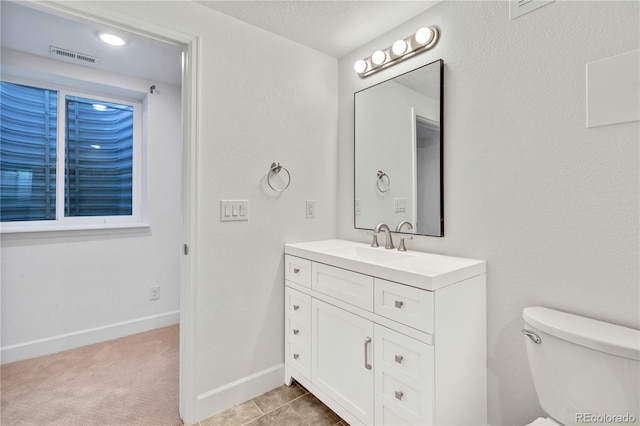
(112, 39)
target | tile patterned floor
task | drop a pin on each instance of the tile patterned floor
(284, 406)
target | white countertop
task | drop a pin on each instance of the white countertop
(423, 270)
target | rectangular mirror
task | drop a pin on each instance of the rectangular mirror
(398, 153)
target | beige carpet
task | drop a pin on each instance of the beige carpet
(130, 381)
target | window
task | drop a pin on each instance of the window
(67, 159)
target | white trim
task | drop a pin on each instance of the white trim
(76, 339)
(223, 397)
(189, 261)
(47, 227)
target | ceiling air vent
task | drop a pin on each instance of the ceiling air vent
(73, 56)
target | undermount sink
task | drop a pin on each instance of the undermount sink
(370, 254)
(418, 269)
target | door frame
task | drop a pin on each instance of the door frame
(190, 44)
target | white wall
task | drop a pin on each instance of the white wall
(262, 98)
(76, 288)
(550, 204)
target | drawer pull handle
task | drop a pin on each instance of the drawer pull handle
(399, 359)
(296, 270)
(295, 331)
(296, 356)
(366, 355)
(399, 395)
(399, 304)
(296, 307)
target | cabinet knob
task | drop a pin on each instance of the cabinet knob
(295, 331)
(399, 359)
(399, 304)
(296, 270)
(296, 356)
(399, 395)
(296, 307)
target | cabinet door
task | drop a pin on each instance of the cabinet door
(342, 361)
(403, 379)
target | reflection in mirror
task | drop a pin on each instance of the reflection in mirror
(398, 152)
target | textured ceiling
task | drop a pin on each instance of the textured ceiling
(333, 27)
(155, 61)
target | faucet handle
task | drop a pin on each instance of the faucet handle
(374, 242)
(401, 246)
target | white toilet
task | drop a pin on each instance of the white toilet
(585, 371)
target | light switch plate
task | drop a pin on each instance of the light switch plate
(399, 205)
(234, 210)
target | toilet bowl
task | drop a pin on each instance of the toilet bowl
(582, 368)
(544, 421)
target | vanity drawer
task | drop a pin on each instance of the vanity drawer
(297, 270)
(348, 286)
(404, 378)
(299, 357)
(297, 339)
(298, 307)
(298, 331)
(407, 305)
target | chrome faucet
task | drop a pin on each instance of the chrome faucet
(401, 224)
(402, 247)
(388, 240)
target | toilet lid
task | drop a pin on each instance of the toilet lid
(544, 421)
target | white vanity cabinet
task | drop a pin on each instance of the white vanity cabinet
(387, 344)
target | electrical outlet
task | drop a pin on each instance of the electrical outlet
(154, 292)
(311, 209)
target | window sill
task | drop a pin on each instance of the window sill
(49, 231)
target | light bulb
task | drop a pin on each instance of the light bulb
(112, 39)
(378, 57)
(360, 66)
(399, 47)
(424, 35)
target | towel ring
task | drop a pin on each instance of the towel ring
(381, 180)
(275, 169)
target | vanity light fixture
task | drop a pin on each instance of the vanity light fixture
(378, 57)
(399, 47)
(360, 66)
(111, 39)
(423, 39)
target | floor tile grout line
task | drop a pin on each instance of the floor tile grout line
(286, 403)
(298, 414)
(259, 409)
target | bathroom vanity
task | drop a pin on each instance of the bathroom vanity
(387, 338)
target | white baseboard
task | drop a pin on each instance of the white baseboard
(223, 397)
(89, 336)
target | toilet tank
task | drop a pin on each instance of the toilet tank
(584, 370)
